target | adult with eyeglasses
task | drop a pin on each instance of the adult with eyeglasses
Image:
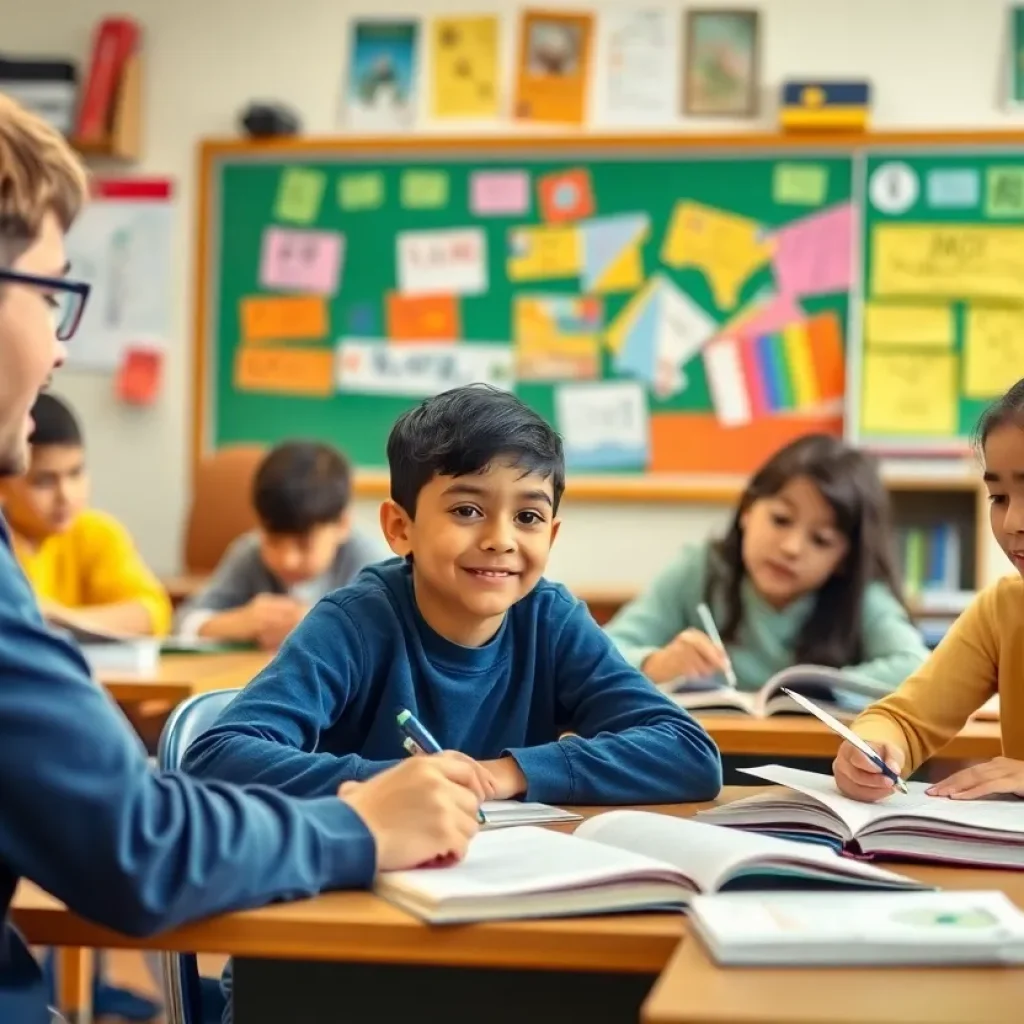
(81, 813)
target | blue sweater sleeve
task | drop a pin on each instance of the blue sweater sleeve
(631, 744)
(84, 816)
(270, 732)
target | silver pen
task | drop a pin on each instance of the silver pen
(711, 629)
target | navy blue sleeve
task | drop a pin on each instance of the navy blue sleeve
(269, 734)
(632, 745)
(84, 816)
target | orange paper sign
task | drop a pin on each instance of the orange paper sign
(285, 371)
(423, 317)
(283, 318)
(554, 66)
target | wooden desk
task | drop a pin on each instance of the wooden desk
(804, 736)
(180, 676)
(692, 990)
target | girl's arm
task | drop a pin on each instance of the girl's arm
(662, 611)
(893, 647)
(931, 707)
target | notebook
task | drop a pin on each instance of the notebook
(841, 695)
(506, 813)
(110, 652)
(986, 833)
(618, 861)
(860, 929)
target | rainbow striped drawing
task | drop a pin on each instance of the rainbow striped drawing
(796, 369)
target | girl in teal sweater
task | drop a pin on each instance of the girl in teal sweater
(804, 575)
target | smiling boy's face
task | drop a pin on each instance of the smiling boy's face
(479, 543)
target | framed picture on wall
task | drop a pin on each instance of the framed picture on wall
(1015, 56)
(722, 65)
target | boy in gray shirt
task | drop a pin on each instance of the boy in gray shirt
(304, 548)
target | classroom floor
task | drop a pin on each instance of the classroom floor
(126, 967)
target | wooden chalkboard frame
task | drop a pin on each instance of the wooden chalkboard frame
(716, 489)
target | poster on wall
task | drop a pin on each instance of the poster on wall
(381, 91)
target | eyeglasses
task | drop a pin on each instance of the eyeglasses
(66, 299)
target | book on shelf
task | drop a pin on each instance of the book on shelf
(985, 833)
(932, 559)
(622, 860)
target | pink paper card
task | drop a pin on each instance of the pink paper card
(499, 193)
(813, 256)
(302, 261)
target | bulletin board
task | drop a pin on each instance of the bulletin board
(941, 332)
(671, 308)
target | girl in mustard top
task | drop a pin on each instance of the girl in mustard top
(982, 655)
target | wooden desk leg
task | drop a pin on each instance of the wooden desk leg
(74, 983)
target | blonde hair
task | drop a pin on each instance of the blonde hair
(39, 172)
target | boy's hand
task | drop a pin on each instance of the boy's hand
(509, 780)
(859, 778)
(692, 654)
(422, 810)
(272, 617)
(1000, 775)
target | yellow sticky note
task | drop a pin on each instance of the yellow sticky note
(799, 184)
(908, 326)
(299, 195)
(726, 247)
(539, 253)
(993, 351)
(951, 261)
(361, 191)
(424, 190)
(464, 66)
(911, 393)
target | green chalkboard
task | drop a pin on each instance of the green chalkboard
(366, 196)
(942, 328)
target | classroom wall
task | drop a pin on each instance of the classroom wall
(933, 64)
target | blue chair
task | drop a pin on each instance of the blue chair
(183, 988)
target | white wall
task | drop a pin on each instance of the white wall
(932, 64)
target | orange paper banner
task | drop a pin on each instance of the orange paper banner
(283, 318)
(285, 371)
(423, 317)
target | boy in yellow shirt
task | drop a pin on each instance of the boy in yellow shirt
(82, 563)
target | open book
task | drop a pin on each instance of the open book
(617, 861)
(842, 695)
(986, 833)
(107, 651)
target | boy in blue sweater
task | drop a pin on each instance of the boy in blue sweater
(461, 629)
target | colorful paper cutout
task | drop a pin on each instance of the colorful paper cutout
(765, 313)
(361, 191)
(953, 188)
(140, 375)
(557, 337)
(302, 261)
(554, 67)
(1004, 192)
(362, 319)
(814, 255)
(544, 252)
(446, 262)
(283, 318)
(499, 193)
(908, 325)
(464, 67)
(565, 195)
(728, 248)
(909, 394)
(299, 195)
(604, 425)
(424, 190)
(285, 371)
(950, 261)
(993, 350)
(800, 184)
(420, 369)
(423, 317)
(612, 257)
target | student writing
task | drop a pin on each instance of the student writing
(463, 630)
(982, 654)
(804, 575)
(304, 548)
(81, 562)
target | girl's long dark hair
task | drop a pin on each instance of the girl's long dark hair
(849, 481)
(1008, 409)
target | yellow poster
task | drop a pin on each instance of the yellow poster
(464, 63)
(993, 350)
(726, 247)
(908, 326)
(557, 337)
(545, 252)
(910, 394)
(952, 261)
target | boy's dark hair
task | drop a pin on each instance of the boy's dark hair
(462, 431)
(1005, 410)
(300, 485)
(55, 423)
(848, 480)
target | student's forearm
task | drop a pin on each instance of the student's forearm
(234, 625)
(131, 618)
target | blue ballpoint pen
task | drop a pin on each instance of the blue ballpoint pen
(416, 740)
